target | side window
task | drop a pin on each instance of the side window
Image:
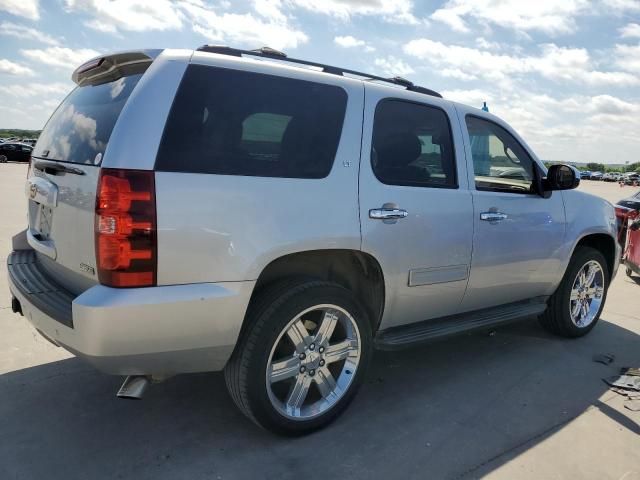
(412, 145)
(232, 122)
(499, 161)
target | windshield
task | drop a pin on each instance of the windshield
(79, 130)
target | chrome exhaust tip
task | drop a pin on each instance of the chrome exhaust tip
(133, 387)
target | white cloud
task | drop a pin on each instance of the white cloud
(555, 63)
(621, 6)
(26, 33)
(27, 90)
(129, 15)
(60, 56)
(99, 26)
(630, 30)
(272, 30)
(396, 11)
(393, 66)
(23, 8)
(487, 45)
(628, 57)
(452, 17)
(547, 16)
(8, 67)
(350, 42)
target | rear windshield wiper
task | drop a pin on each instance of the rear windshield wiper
(54, 168)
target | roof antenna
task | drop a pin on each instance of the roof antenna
(484, 107)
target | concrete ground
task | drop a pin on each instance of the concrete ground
(517, 404)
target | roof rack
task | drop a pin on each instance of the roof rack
(266, 52)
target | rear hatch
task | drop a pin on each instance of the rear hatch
(65, 168)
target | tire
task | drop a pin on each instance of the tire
(3, 159)
(628, 271)
(558, 317)
(272, 320)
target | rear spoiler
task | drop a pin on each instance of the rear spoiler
(111, 67)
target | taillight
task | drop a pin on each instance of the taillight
(125, 228)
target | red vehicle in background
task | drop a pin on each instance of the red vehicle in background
(629, 238)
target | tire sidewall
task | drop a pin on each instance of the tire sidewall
(259, 401)
(578, 261)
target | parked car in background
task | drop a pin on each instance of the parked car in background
(632, 179)
(585, 175)
(632, 202)
(210, 224)
(610, 177)
(596, 176)
(15, 152)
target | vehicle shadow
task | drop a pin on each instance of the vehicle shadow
(446, 408)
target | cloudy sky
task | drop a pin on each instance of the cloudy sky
(564, 73)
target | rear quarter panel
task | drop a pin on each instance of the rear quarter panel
(214, 228)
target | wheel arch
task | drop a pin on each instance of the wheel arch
(604, 243)
(355, 270)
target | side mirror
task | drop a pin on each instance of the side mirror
(561, 177)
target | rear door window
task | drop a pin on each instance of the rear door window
(232, 122)
(412, 145)
(80, 128)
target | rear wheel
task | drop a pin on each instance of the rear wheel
(3, 159)
(575, 307)
(301, 358)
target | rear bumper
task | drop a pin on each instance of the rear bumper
(135, 331)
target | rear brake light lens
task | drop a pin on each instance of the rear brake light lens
(125, 228)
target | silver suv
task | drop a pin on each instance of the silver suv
(278, 219)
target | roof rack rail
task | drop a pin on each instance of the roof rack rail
(267, 52)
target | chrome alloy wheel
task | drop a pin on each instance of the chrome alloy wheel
(586, 294)
(313, 362)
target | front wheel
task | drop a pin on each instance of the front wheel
(575, 307)
(301, 358)
(3, 159)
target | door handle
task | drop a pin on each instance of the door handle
(387, 213)
(493, 216)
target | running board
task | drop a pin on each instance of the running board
(435, 329)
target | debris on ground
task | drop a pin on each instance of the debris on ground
(604, 358)
(633, 405)
(630, 371)
(627, 382)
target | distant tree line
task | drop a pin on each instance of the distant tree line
(16, 132)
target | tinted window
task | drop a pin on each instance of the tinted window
(81, 126)
(499, 161)
(412, 145)
(232, 122)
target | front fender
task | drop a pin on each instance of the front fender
(587, 215)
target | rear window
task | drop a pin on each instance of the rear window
(232, 122)
(80, 128)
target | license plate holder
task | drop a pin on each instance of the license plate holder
(44, 221)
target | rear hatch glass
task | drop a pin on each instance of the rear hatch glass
(80, 128)
(62, 196)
